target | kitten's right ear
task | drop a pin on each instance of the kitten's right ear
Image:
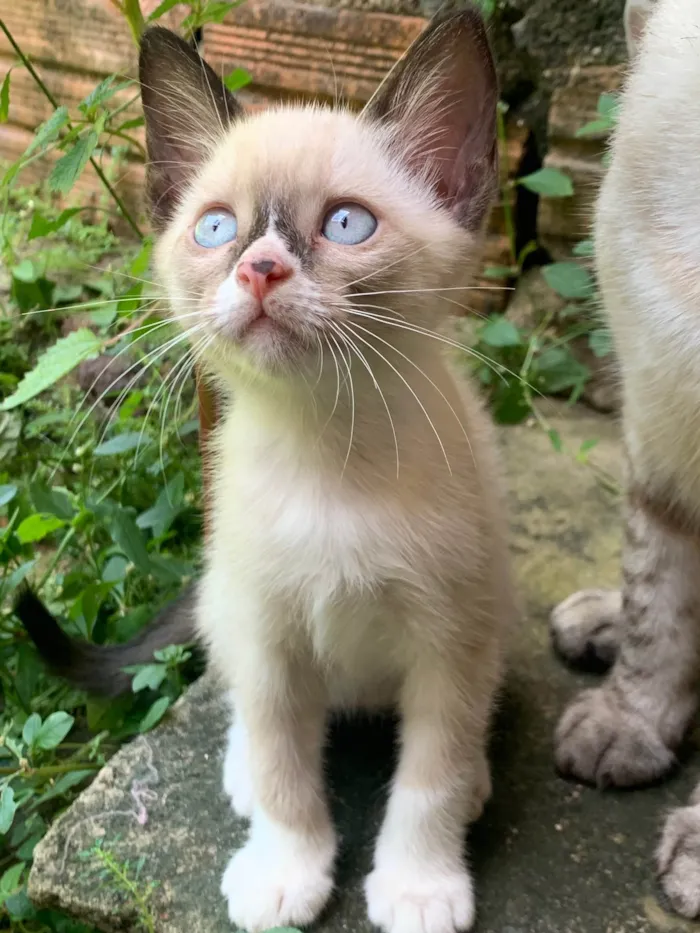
(637, 13)
(186, 107)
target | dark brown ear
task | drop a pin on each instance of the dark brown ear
(441, 99)
(186, 107)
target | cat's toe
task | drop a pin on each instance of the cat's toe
(678, 860)
(418, 900)
(267, 889)
(600, 740)
(585, 628)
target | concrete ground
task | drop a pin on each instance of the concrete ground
(548, 856)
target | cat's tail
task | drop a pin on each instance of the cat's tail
(99, 669)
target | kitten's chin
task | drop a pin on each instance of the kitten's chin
(263, 348)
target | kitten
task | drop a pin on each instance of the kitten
(357, 555)
(647, 235)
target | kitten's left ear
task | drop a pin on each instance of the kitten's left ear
(186, 107)
(441, 100)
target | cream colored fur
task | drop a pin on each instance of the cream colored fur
(647, 237)
(357, 554)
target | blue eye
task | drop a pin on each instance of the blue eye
(215, 228)
(349, 224)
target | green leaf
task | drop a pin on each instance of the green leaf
(237, 79)
(51, 501)
(162, 9)
(168, 505)
(42, 226)
(585, 448)
(65, 783)
(132, 124)
(155, 714)
(7, 809)
(115, 569)
(149, 677)
(49, 130)
(600, 342)
(101, 94)
(7, 493)
(598, 128)
(11, 880)
(67, 294)
(5, 98)
(585, 248)
(498, 331)
(25, 271)
(555, 439)
(37, 527)
(509, 402)
(569, 279)
(13, 580)
(143, 257)
(31, 729)
(69, 168)
(122, 444)
(54, 730)
(557, 370)
(549, 182)
(609, 105)
(105, 315)
(130, 540)
(53, 364)
(500, 272)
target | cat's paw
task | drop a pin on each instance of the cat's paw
(678, 860)
(414, 899)
(585, 628)
(600, 740)
(238, 783)
(277, 886)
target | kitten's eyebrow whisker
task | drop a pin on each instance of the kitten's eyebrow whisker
(374, 379)
(371, 275)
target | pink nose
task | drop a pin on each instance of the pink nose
(258, 276)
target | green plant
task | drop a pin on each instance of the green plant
(125, 878)
(99, 484)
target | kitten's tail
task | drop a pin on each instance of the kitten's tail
(99, 669)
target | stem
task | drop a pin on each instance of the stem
(50, 770)
(134, 17)
(67, 538)
(508, 221)
(54, 103)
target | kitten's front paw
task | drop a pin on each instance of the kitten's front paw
(238, 783)
(405, 899)
(268, 887)
(602, 741)
(585, 628)
(678, 860)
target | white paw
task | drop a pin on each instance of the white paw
(417, 900)
(237, 780)
(278, 886)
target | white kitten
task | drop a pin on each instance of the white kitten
(357, 554)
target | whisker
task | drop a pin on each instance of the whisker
(410, 389)
(352, 399)
(371, 275)
(367, 366)
(423, 373)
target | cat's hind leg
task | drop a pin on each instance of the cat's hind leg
(585, 629)
(678, 857)
(624, 733)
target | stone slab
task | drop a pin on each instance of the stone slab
(548, 856)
